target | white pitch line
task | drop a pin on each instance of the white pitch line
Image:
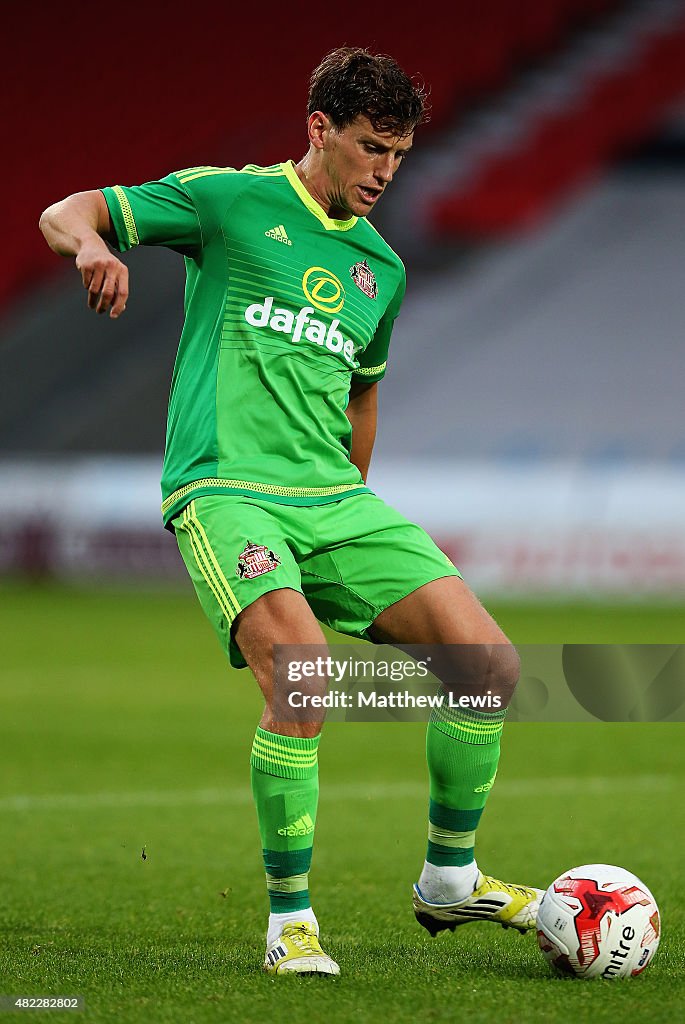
(593, 785)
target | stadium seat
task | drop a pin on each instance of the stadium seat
(148, 94)
(564, 147)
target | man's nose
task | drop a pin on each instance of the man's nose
(385, 168)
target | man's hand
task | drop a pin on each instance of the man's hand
(105, 277)
(79, 226)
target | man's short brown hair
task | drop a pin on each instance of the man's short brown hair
(350, 81)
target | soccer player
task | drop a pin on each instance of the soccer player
(290, 302)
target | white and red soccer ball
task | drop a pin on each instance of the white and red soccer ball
(598, 921)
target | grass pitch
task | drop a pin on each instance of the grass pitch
(130, 870)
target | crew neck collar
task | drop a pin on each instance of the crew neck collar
(310, 202)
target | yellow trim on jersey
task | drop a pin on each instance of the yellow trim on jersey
(274, 169)
(250, 485)
(199, 173)
(311, 203)
(191, 173)
(127, 214)
(190, 170)
(368, 371)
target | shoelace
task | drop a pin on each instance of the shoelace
(303, 937)
(513, 890)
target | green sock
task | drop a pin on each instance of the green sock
(285, 786)
(462, 750)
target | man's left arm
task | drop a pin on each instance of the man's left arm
(362, 408)
(362, 412)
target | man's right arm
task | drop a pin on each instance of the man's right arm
(80, 226)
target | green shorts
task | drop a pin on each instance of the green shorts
(351, 559)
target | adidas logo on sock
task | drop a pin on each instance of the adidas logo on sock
(487, 786)
(279, 233)
(304, 826)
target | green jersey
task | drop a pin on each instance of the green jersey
(283, 307)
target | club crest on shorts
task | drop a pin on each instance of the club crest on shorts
(254, 560)
(364, 278)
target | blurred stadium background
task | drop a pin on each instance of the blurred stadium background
(534, 398)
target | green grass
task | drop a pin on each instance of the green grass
(123, 729)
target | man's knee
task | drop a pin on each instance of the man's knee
(280, 640)
(498, 667)
(475, 671)
(504, 672)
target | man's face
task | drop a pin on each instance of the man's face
(359, 164)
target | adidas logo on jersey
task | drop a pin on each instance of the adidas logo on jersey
(304, 826)
(299, 325)
(279, 233)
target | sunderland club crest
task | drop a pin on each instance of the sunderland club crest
(255, 560)
(364, 278)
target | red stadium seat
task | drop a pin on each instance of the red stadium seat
(139, 92)
(513, 189)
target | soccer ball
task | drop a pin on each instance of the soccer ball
(598, 921)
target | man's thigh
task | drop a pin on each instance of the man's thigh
(469, 651)
(444, 611)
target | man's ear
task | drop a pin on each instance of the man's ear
(318, 127)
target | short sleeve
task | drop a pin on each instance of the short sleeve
(157, 213)
(373, 360)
